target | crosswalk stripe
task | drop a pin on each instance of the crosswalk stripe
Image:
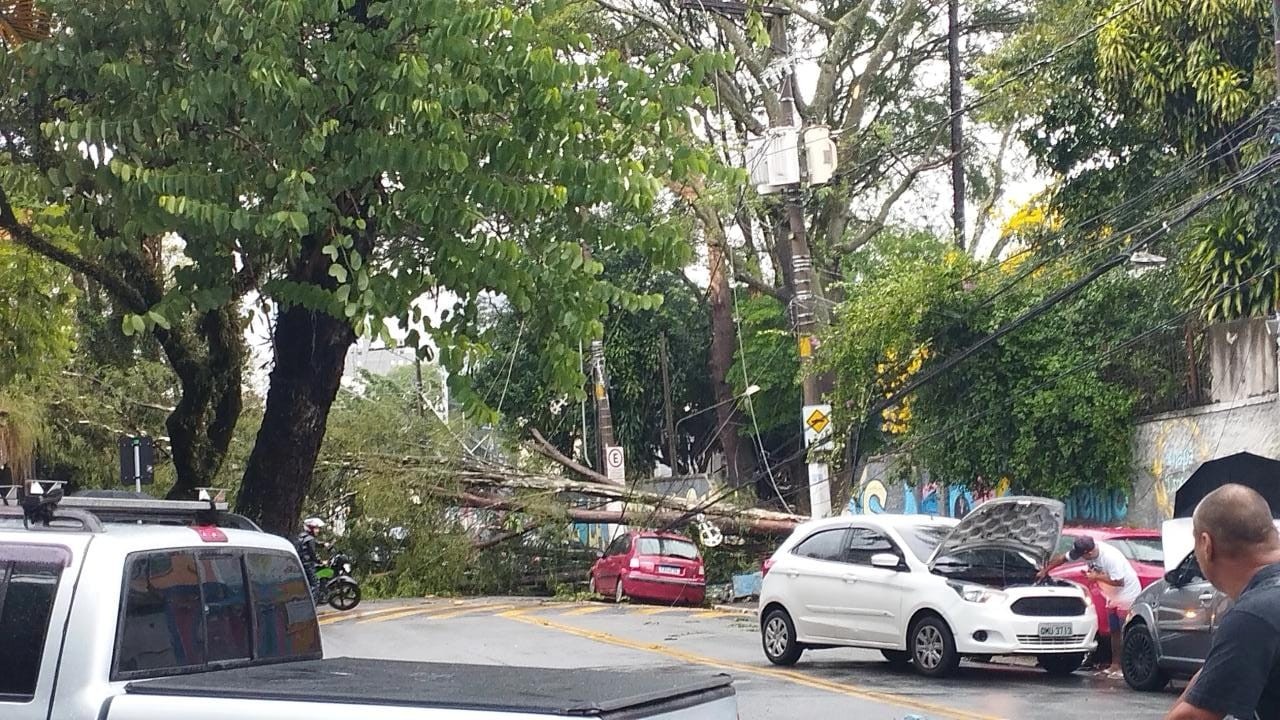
(414, 611)
(706, 614)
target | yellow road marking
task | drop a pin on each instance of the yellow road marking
(658, 610)
(790, 676)
(330, 618)
(469, 610)
(410, 611)
(716, 614)
(586, 610)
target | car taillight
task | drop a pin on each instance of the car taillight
(701, 570)
(634, 564)
(764, 568)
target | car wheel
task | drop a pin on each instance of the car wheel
(897, 658)
(778, 634)
(345, 597)
(591, 586)
(933, 648)
(1061, 664)
(619, 593)
(1140, 661)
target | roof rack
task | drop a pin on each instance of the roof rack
(43, 505)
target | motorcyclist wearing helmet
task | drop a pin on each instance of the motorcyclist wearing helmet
(307, 544)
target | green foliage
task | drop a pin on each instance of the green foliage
(511, 379)
(406, 147)
(767, 358)
(36, 322)
(1049, 406)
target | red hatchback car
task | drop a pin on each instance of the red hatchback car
(655, 566)
(1143, 549)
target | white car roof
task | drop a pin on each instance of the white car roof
(125, 538)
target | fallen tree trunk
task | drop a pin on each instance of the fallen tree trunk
(632, 513)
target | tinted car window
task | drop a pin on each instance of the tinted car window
(283, 606)
(668, 547)
(619, 546)
(183, 610)
(825, 545)
(28, 589)
(864, 542)
(226, 602)
(996, 567)
(161, 627)
(1143, 550)
(1189, 570)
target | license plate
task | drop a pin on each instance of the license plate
(668, 570)
(1055, 630)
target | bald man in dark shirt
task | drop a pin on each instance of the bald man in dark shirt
(1239, 552)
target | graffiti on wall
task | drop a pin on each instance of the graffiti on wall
(1087, 506)
(1179, 450)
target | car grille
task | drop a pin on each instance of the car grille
(1050, 642)
(1049, 606)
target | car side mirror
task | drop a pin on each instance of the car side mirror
(1173, 577)
(888, 561)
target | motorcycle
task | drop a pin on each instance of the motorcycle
(337, 586)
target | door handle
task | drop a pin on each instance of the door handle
(1206, 598)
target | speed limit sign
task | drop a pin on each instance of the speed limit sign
(615, 464)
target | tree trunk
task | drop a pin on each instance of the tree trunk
(204, 420)
(311, 351)
(739, 457)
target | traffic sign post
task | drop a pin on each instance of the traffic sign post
(816, 420)
(817, 427)
(137, 461)
(615, 464)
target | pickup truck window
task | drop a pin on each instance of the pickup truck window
(186, 611)
(28, 586)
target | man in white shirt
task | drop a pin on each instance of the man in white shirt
(1117, 581)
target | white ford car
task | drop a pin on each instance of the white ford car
(927, 591)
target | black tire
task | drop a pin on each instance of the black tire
(1061, 664)
(1140, 662)
(933, 648)
(591, 586)
(778, 637)
(898, 659)
(344, 596)
(619, 593)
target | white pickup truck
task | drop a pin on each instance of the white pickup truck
(138, 609)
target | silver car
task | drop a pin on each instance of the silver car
(1170, 626)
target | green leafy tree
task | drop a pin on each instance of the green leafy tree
(513, 384)
(340, 160)
(1049, 406)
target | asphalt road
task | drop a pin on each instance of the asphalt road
(830, 684)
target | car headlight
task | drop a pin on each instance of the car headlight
(975, 593)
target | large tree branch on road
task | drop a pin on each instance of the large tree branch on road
(546, 449)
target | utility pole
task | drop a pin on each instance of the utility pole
(672, 458)
(604, 416)
(802, 300)
(957, 124)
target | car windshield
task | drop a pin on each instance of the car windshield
(668, 547)
(922, 539)
(1143, 550)
(992, 566)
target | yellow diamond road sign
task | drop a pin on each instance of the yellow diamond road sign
(817, 426)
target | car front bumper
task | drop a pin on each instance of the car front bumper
(1003, 633)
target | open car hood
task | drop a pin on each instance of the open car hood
(1031, 525)
(1178, 540)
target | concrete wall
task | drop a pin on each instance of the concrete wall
(1169, 447)
(1242, 360)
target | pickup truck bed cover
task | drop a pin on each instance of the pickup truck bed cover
(363, 681)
